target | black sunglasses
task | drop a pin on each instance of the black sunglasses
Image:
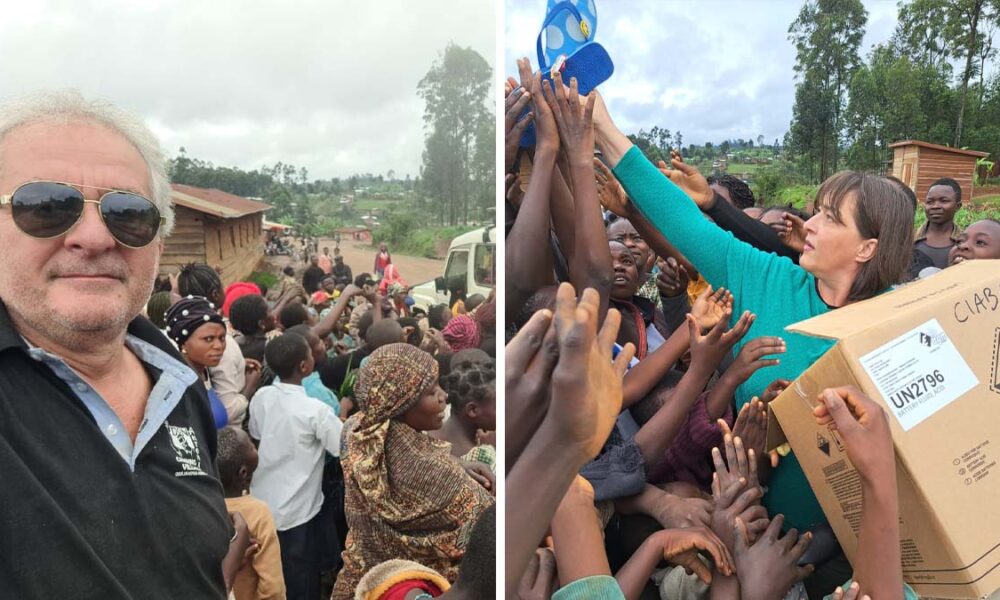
(49, 209)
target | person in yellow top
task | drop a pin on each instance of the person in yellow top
(236, 460)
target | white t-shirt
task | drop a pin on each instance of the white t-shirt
(295, 432)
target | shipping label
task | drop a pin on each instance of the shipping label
(919, 373)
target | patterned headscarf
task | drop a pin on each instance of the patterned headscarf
(391, 381)
(187, 315)
(461, 332)
(405, 496)
(486, 316)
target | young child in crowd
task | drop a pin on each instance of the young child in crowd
(295, 433)
(236, 459)
(471, 389)
(250, 317)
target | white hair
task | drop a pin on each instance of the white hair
(66, 106)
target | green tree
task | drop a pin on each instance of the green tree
(957, 29)
(455, 91)
(827, 35)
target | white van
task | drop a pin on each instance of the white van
(471, 266)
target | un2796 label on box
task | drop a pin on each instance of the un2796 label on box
(919, 373)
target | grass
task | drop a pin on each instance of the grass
(430, 242)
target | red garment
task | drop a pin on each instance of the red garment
(401, 589)
(382, 261)
(235, 290)
(390, 277)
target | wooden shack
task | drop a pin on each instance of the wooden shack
(919, 164)
(216, 228)
(356, 234)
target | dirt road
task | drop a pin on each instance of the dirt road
(361, 259)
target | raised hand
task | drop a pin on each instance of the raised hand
(792, 231)
(673, 278)
(688, 179)
(774, 389)
(738, 500)
(739, 464)
(708, 350)
(574, 121)
(610, 191)
(529, 359)
(586, 383)
(546, 132)
(683, 546)
(751, 356)
(751, 428)
(515, 124)
(673, 511)
(709, 308)
(539, 580)
(864, 428)
(769, 568)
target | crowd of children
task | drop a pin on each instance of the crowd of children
(334, 442)
(646, 312)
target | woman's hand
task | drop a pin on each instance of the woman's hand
(252, 371)
(689, 179)
(575, 122)
(546, 131)
(481, 473)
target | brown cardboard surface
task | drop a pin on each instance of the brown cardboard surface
(947, 448)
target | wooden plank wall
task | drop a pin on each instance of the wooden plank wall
(935, 164)
(235, 245)
(187, 242)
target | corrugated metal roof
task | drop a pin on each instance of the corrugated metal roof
(938, 147)
(215, 202)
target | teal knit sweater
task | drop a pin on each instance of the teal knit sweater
(778, 291)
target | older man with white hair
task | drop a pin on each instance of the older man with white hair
(107, 441)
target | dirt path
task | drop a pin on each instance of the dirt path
(361, 259)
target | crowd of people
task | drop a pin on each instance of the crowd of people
(646, 311)
(185, 438)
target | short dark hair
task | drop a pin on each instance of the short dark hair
(229, 454)
(477, 571)
(469, 381)
(416, 336)
(437, 314)
(246, 313)
(199, 279)
(304, 331)
(882, 211)
(293, 314)
(362, 279)
(382, 333)
(948, 181)
(739, 191)
(473, 301)
(288, 271)
(284, 354)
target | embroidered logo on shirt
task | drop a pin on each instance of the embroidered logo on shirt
(185, 444)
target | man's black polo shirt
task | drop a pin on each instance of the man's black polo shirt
(75, 520)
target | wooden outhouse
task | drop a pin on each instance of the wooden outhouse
(217, 228)
(919, 164)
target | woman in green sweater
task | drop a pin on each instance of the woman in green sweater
(857, 246)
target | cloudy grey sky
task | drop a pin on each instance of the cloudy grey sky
(328, 85)
(714, 69)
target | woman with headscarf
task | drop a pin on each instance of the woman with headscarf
(194, 324)
(462, 332)
(406, 497)
(390, 277)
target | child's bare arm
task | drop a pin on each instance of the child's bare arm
(864, 428)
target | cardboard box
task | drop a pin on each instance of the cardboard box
(928, 353)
